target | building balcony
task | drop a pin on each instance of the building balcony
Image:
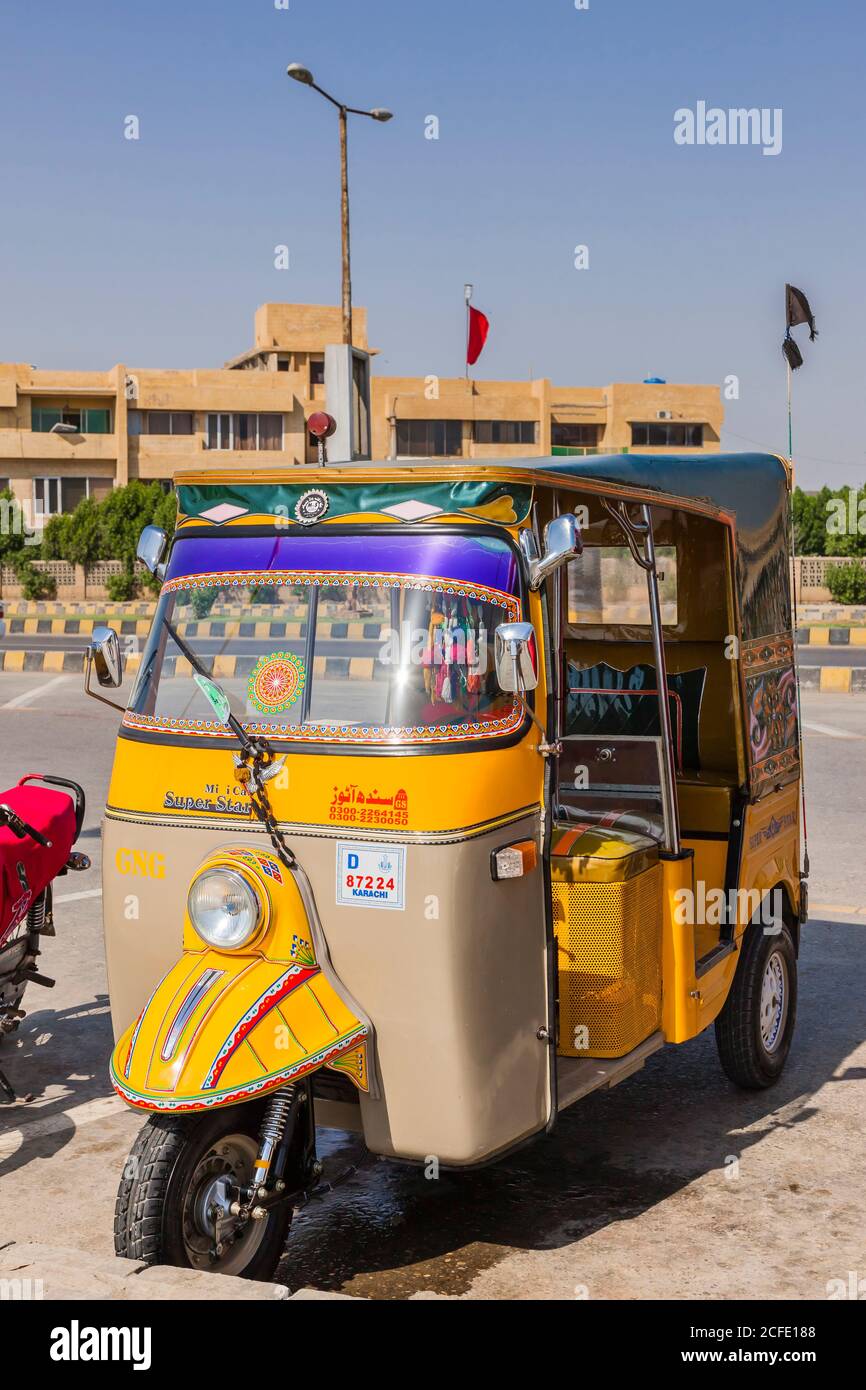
(57, 448)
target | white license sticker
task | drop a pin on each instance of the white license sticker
(371, 875)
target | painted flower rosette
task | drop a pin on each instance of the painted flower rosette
(276, 682)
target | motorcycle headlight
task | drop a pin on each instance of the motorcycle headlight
(223, 908)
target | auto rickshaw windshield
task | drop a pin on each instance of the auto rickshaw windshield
(368, 638)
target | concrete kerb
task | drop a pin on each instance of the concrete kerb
(31, 1271)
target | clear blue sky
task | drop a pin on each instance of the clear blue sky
(556, 128)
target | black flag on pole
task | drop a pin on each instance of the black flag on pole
(797, 310)
(792, 353)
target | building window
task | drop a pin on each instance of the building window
(429, 438)
(317, 371)
(284, 364)
(504, 431)
(667, 434)
(245, 431)
(53, 495)
(564, 435)
(160, 422)
(86, 421)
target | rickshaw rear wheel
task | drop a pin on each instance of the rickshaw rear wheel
(755, 1028)
(176, 1175)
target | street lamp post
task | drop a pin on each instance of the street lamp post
(303, 75)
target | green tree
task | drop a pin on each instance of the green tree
(847, 583)
(810, 523)
(54, 537)
(846, 523)
(12, 528)
(122, 517)
(77, 536)
(165, 513)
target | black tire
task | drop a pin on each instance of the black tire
(155, 1192)
(748, 1057)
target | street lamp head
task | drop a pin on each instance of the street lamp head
(300, 73)
(380, 114)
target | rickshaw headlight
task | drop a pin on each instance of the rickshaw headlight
(224, 909)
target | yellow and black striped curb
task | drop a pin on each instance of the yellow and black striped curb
(99, 612)
(833, 680)
(828, 680)
(83, 608)
(364, 668)
(137, 608)
(140, 627)
(831, 636)
(71, 627)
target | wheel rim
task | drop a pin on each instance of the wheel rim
(774, 1001)
(229, 1160)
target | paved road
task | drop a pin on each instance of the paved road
(632, 1197)
(832, 656)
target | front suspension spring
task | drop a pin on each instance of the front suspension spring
(277, 1116)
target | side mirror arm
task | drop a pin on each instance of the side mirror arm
(94, 695)
(546, 749)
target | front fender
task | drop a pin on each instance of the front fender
(224, 1027)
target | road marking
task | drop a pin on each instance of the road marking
(76, 897)
(76, 1116)
(28, 696)
(830, 731)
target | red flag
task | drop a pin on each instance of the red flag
(479, 327)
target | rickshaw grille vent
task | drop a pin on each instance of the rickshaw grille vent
(609, 950)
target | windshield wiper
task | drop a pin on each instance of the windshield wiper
(234, 724)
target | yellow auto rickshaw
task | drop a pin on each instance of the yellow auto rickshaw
(446, 793)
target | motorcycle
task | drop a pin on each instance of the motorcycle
(38, 827)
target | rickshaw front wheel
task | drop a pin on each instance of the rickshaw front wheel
(755, 1028)
(176, 1184)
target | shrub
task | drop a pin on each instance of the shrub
(76, 537)
(35, 584)
(55, 537)
(121, 587)
(150, 583)
(847, 583)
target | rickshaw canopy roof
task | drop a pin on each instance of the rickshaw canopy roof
(750, 489)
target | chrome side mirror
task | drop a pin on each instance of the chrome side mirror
(106, 657)
(151, 547)
(515, 656)
(562, 542)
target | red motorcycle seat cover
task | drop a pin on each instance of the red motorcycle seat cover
(25, 866)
